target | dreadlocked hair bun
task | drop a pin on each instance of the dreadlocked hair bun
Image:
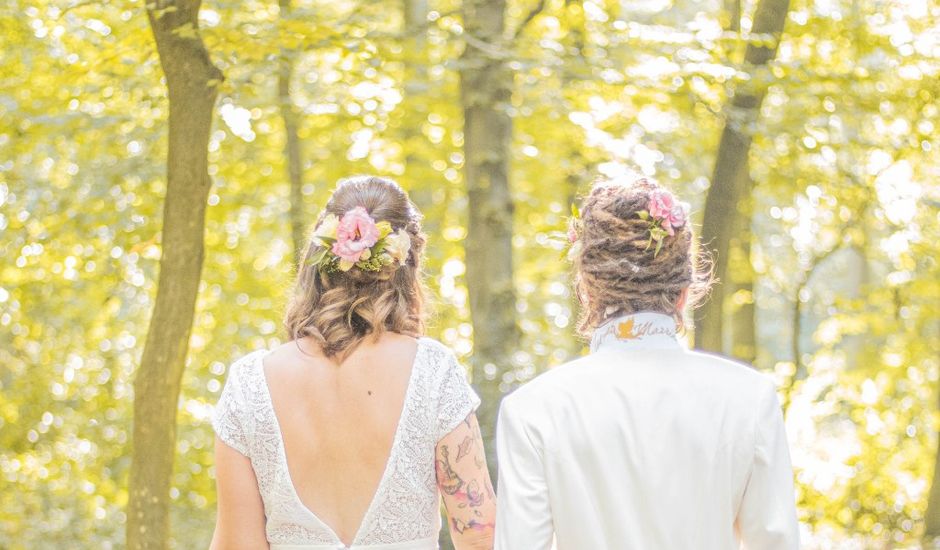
(617, 270)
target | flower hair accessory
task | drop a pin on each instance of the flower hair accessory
(665, 214)
(356, 240)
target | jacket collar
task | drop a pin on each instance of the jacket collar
(641, 330)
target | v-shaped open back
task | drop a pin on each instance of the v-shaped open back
(404, 512)
(390, 458)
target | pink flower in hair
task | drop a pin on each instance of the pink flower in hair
(676, 218)
(355, 235)
(661, 203)
(664, 208)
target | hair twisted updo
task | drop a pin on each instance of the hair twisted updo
(617, 272)
(341, 308)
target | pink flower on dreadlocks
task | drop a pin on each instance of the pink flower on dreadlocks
(669, 212)
(663, 214)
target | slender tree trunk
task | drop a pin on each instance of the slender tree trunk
(729, 177)
(416, 17)
(931, 332)
(796, 322)
(796, 327)
(859, 276)
(743, 327)
(192, 84)
(415, 88)
(578, 174)
(733, 13)
(485, 88)
(932, 514)
(743, 334)
(298, 221)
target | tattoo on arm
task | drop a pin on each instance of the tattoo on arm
(464, 448)
(472, 525)
(469, 492)
(447, 478)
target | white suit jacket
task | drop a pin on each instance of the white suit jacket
(644, 445)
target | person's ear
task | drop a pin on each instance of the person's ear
(683, 298)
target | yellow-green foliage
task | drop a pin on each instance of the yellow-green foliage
(844, 166)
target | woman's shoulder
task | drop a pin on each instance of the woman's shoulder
(445, 384)
(434, 346)
(231, 417)
(436, 355)
(245, 367)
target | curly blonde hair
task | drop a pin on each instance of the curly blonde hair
(341, 308)
(617, 272)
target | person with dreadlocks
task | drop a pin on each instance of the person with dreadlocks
(642, 444)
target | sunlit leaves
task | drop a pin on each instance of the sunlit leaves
(844, 159)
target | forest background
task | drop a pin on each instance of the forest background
(162, 162)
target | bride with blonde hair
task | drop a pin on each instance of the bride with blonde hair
(348, 435)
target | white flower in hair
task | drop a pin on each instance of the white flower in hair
(398, 244)
(574, 251)
(357, 240)
(327, 228)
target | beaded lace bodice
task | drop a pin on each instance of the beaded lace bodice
(405, 506)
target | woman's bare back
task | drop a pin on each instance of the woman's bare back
(338, 421)
(315, 454)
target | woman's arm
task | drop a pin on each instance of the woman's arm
(466, 487)
(239, 523)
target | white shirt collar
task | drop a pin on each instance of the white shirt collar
(641, 330)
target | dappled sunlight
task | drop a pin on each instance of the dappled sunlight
(832, 276)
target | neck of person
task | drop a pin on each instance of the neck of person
(639, 330)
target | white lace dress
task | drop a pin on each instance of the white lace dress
(405, 510)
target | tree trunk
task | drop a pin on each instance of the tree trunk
(579, 174)
(485, 88)
(858, 272)
(743, 328)
(733, 13)
(932, 514)
(796, 327)
(803, 283)
(415, 87)
(729, 176)
(743, 324)
(298, 222)
(192, 84)
(416, 17)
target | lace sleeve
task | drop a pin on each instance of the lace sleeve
(456, 399)
(227, 417)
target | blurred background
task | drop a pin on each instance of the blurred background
(802, 132)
